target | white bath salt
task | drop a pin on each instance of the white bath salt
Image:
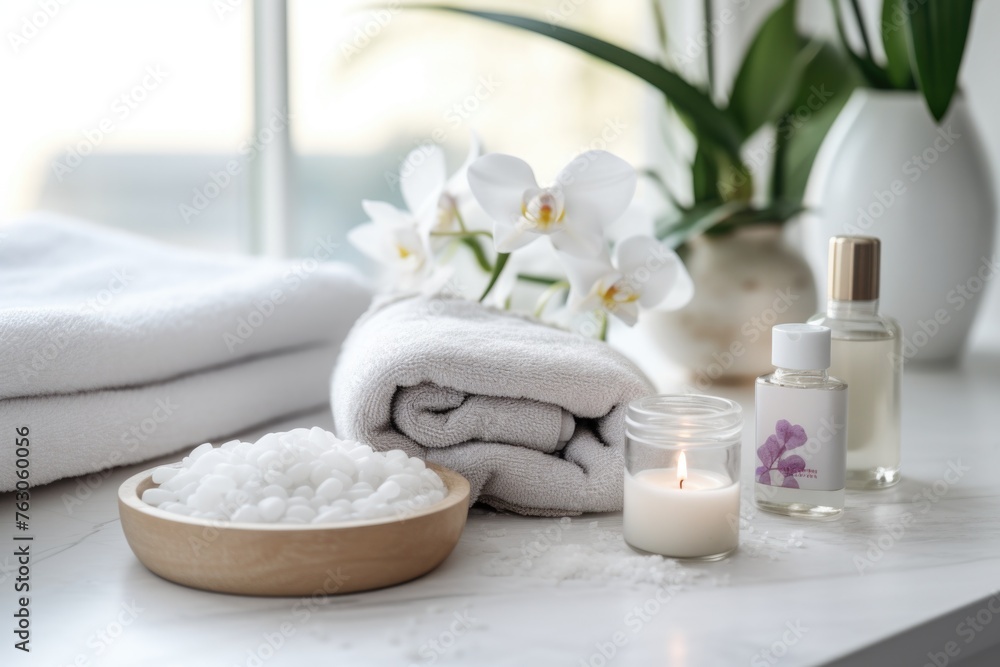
(304, 476)
(563, 551)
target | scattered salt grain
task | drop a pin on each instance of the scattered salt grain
(305, 476)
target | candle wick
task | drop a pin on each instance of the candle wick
(682, 482)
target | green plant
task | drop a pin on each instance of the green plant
(788, 82)
(923, 42)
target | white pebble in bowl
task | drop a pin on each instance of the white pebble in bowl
(302, 476)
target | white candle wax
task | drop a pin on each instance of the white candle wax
(700, 518)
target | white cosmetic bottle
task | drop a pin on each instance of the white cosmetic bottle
(801, 427)
(867, 356)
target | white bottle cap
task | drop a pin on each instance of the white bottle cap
(800, 347)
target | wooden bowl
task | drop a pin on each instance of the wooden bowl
(289, 560)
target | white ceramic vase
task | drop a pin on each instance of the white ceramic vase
(744, 283)
(886, 169)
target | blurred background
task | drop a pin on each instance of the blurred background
(132, 114)
(364, 89)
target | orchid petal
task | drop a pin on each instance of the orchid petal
(422, 178)
(598, 187)
(508, 238)
(498, 183)
(577, 242)
(582, 273)
(655, 271)
(384, 214)
(628, 313)
(460, 179)
(369, 240)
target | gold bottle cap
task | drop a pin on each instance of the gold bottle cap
(854, 268)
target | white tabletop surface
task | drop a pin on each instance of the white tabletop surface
(526, 591)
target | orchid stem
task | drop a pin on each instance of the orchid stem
(604, 325)
(541, 280)
(546, 296)
(475, 232)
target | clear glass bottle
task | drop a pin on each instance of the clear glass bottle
(867, 354)
(801, 427)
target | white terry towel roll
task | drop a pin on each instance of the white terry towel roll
(100, 329)
(531, 415)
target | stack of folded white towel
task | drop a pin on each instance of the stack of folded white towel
(115, 349)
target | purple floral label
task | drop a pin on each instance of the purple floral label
(801, 438)
(774, 456)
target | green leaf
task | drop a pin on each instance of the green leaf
(824, 88)
(874, 75)
(893, 28)
(704, 177)
(768, 77)
(477, 251)
(776, 212)
(713, 123)
(501, 261)
(936, 31)
(698, 220)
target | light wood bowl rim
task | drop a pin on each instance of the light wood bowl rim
(457, 486)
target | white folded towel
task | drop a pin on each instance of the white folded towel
(86, 307)
(86, 432)
(101, 331)
(532, 416)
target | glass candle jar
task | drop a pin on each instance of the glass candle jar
(682, 476)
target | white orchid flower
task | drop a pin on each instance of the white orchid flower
(589, 193)
(393, 239)
(643, 274)
(429, 193)
(400, 239)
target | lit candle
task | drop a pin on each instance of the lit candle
(682, 491)
(681, 513)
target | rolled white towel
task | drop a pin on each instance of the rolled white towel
(532, 415)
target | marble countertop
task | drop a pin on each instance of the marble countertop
(522, 591)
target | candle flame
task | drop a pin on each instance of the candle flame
(682, 469)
